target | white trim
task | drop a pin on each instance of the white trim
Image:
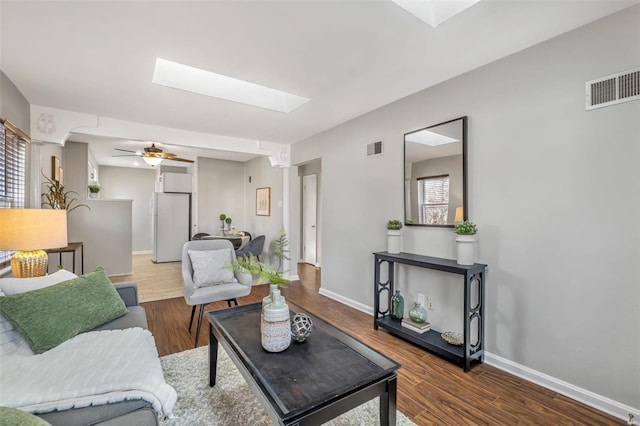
(599, 402)
(295, 277)
(346, 301)
(121, 275)
(141, 252)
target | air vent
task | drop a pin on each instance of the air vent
(374, 149)
(613, 89)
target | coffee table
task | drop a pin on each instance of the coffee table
(311, 382)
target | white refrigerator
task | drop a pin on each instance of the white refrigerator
(170, 225)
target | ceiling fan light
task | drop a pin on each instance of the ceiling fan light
(152, 161)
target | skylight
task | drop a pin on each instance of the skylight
(435, 12)
(184, 77)
(425, 137)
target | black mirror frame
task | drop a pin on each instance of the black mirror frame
(465, 202)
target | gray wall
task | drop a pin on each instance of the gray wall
(105, 230)
(13, 105)
(131, 184)
(219, 189)
(553, 188)
(263, 175)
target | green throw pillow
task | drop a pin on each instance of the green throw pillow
(51, 315)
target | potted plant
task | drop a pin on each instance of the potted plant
(222, 217)
(279, 248)
(55, 197)
(228, 222)
(466, 242)
(275, 328)
(394, 236)
(94, 189)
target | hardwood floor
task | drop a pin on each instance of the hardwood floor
(430, 390)
(156, 281)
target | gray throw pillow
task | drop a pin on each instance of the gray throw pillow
(210, 267)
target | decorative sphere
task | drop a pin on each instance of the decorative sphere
(301, 327)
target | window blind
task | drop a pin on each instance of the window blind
(13, 150)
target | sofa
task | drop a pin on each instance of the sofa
(127, 410)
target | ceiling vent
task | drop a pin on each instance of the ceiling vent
(374, 149)
(613, 89)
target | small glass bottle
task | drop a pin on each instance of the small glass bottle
(397, 306)
(418, 313)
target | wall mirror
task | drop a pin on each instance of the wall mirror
(435, 174)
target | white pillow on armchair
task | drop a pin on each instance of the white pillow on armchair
(209, 267)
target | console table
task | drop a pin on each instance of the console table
(71, 248)
(432, 340)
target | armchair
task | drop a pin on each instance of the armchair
(202, 296)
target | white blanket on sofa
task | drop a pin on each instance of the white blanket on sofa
(92, 368)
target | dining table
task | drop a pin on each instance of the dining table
(238, 240)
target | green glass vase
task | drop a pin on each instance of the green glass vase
(397, 306)
(418, 314)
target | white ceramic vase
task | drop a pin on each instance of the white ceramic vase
(466, 249)
(275, 326)
(394, 241)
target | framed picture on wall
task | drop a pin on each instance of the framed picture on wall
(55, 169)
(263, 201)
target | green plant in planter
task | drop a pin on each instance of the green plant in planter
(394, 225)
(94, 189)
(267, 273)
(228, 222)
(279, 248)
(222, 217)
(465, 228)
(56, 197)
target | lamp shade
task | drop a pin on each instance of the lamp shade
(32, 229)
(459, 215)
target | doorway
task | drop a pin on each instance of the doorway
(309, 218)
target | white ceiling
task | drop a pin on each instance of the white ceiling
(348, 57)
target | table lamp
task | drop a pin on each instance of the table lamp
(30, 231)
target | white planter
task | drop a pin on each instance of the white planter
(466, 249)
(394, 241)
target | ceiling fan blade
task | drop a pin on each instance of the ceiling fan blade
(180, 159)
(125, 150)
(165, 155)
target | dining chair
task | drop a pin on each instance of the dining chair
(203, 294)
(199, 235)
(253, 247)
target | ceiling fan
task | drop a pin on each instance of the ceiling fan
(153, 155)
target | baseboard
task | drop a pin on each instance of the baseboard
(141, 252)
(121, 275)
(293, 277)
(599, 402)
(346, 301)
(569, 390)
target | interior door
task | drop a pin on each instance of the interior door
(309, 218)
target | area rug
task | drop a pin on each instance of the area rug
(231, 401)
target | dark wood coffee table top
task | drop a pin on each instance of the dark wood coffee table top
(327, 366)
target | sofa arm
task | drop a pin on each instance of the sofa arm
(128, 292)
